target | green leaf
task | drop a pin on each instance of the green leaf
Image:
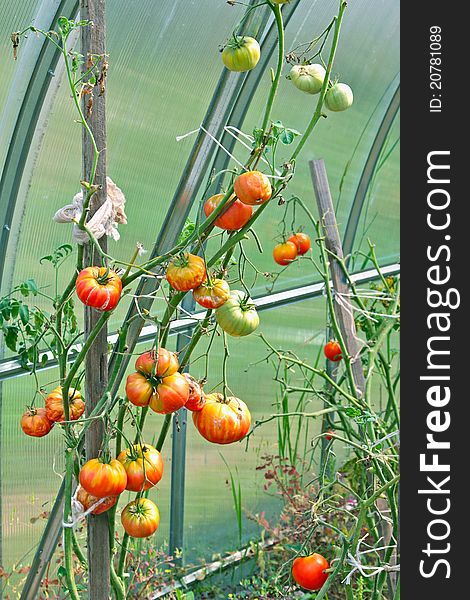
(11, 336)
(24, 314)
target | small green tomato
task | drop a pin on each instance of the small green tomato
(339, 97)
(308, 78)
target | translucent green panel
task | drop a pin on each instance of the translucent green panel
(380, 218)
(210, 522)
(13, 16)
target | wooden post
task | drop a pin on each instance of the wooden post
(93, 41)
(343, 311)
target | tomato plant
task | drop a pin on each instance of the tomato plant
(55, 405)
(35, 422)
(140, 518)
(252, 188)
(309, 571)
(144, 466)
(308, 78)
(238, 316)
(99, 288)
(241, 53)
(222, 420)
(186, 272)
(339, 97)
(232, 218)
(302, 241)
(332, 351)
(101, 479)
(196, 398)
(285, 253)
(212, 294)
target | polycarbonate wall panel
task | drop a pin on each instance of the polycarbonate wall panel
(210, 521)
(380, 217)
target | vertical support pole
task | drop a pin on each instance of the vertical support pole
(93, 41)
(343, 311)
(178, 455)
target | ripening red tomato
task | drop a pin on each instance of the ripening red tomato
(332, 351)
(186, 272)
(167, 363)
(140, 518)
(308, 571)
(285, 253)
(55, 405)
(103, 479)
(232, 218)
(171, 394)
(302, 241)
(87, 501)
(329, 435)
(139, 390)
(144, 466)
(99, 288)
(212, 294)
(223, 421)
(252, 188)
(35, 423)
(196, 398)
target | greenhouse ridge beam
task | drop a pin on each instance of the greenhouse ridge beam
(11, 368)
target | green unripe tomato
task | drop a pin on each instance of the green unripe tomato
(241, 54)
(308, 78)
(238, 316)
(339, 97)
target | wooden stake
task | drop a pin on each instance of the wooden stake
(343, 310)
(93, 39)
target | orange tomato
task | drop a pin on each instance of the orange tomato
(302, 241)
(196, 398)
(102, 479)
(222, 421)
(144, 466)
(167, 363)
(35, 423)
(186, 272)
(139, 390)
(285, 253)
(87, 501)
(171, 394)
(212, 294)
(140, 518)
(55, 405)
(252, 188)
(99, 288)
(232, 218)
(308, 571)
(332, 351)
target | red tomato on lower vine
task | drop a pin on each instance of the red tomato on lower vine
(332, 351)
(309, 571)
(285, 253)
(302, 241)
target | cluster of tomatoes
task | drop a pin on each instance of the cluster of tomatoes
(157, 383)
(136, 469)
(38, 421)
(286, 252)
(242, 53)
